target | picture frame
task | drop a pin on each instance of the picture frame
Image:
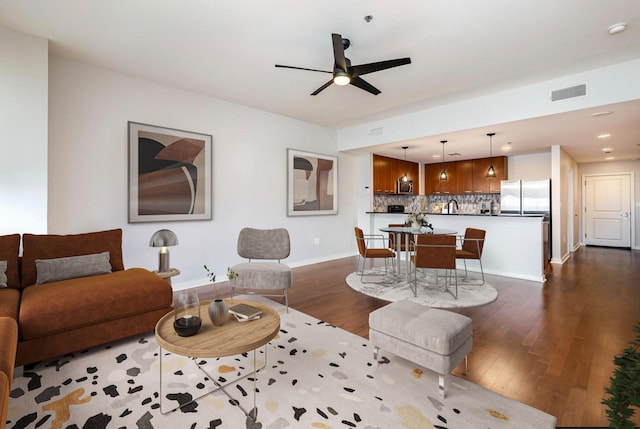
(169, 176)
(312, 184)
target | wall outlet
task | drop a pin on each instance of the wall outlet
(316, 240)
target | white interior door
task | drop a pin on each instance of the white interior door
(608, 210)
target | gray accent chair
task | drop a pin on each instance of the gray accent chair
(264, 248)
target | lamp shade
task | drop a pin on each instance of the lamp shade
(163, 238)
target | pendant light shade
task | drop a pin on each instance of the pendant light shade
(443, 173)
(404, 176)
(491, 172)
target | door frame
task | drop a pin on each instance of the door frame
(632, 192)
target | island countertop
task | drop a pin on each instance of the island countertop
(457, 214)
(513, 247)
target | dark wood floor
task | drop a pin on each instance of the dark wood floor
(550, 347)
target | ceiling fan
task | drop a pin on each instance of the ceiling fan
(344, 73)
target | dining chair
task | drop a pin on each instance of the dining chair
(435, 251)
(365, 252)
(472, 245)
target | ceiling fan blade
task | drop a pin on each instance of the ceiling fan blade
(338, 52)
(322, 88)
(302, 68)
(363, 84)
(361, 69)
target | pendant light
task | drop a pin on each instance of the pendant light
(443, 173)
(491, 172)
(405, 177)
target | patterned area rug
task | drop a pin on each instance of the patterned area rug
(432, 291)
(316, 376)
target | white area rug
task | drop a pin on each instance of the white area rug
(317, 376)
(431, 291)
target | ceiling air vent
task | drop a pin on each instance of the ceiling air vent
(573, 91)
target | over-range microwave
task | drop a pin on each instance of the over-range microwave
(405, 187)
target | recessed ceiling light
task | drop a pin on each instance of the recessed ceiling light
(617, 28)
(595, 115)
(607, 149)
(506, 147)
(610, 158)
(604, 136)
(435, 156)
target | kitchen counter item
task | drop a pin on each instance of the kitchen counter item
(395, 208)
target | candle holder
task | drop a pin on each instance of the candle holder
(187, 319)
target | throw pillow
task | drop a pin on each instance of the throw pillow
(9, 250)
(53, 270)
(3, 275)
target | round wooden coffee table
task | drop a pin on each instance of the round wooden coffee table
(230, 339)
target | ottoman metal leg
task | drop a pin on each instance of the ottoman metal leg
(441, 385)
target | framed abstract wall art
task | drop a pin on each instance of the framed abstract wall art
(169, 174)
(312, 184)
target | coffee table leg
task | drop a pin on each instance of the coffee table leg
(252, 414)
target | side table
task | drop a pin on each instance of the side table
(166, 275)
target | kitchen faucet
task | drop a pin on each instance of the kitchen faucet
(452, 200)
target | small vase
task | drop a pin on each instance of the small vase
(416, 226)
(218, 312)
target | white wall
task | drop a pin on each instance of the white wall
(23, 133)
(530, 167)
(89, 108)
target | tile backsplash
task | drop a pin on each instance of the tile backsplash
(467, 203)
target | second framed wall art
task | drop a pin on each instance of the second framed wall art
(312, 184)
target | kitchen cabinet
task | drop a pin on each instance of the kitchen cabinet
(433, 183)
(483, 184)
(466, 177)
(464, 173)
(386, 172)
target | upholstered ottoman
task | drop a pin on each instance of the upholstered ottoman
(435, 339)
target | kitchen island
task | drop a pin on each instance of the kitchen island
(514, 245)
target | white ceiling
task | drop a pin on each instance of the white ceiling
(458, 48)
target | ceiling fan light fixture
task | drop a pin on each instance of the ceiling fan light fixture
(341, 78)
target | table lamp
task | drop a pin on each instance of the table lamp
(163, 239)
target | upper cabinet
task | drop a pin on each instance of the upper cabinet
(466, 177)
(386, 172)
(432, 178)
(482, 183)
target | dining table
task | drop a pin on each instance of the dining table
(411, 235)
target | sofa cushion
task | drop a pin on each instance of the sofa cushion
(60, 246)
(9, 303)
(3, 274)
(75, 303)
(9, 250)
(9, 341)
(71, 267)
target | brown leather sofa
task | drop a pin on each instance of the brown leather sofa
(42, 316)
